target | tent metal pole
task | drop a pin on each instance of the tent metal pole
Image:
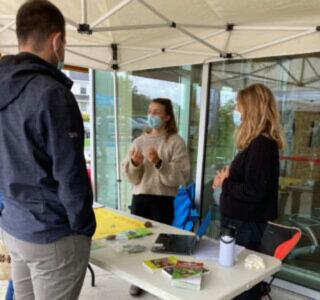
(302, 71)
(201, 26)
(193, 41)
(174, 25)
(274, 28)
(189, 52)
(87, 57)
(157, 52)
(138, 48)
(151, 26)
(93, 162)
(116, 129)
(204, 108)
(7, 17)
(252, 76)
(167, 50)
(133, 27)
(314, 79)
(87, 46)
(71, 22)
(226, 47)
(289, 73)
(139, 58)
(111, 12)
(266, 45)
(186, 32)
(313, 68)
(5, 27)
(84, 18)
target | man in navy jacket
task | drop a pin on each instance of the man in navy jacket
(47, 220)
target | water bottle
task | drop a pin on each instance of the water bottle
(227, 246)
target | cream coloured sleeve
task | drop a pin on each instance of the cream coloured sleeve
(176, 171)
(132, 173)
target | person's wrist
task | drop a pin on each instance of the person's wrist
(223, 180)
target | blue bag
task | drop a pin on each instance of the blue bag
(185, 212)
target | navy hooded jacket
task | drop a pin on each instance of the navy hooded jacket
(43, 177)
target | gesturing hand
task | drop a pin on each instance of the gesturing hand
(136, 157)
(153, 156)
(220, 177)
(223, 174)
(216, 182)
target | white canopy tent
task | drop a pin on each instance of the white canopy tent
(131, 35)
(158, 33)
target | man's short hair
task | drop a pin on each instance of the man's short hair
(36, 20)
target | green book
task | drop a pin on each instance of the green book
(192, 283)
(185, 269)
(168, 271)
(187, 275)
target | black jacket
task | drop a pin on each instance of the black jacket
(251, 191)
(43, 176)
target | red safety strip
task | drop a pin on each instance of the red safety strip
(301, 158)
(284, 249)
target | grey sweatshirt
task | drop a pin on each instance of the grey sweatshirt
(174, 170)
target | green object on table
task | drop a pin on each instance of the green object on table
(133, 234)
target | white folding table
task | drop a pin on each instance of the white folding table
(219, 283)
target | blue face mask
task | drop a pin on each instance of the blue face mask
(154, 121)
(236, 118)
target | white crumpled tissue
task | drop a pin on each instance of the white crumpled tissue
(254, 262)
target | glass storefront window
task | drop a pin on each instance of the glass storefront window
(295, 83)
(106, 188)
(80, 90)
(135, 91)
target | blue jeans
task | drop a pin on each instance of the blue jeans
(248, 234)
(9, 294)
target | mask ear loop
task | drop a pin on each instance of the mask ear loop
(60, 64)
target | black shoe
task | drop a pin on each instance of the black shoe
(135, 291)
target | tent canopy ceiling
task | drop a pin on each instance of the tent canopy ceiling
(161, 33)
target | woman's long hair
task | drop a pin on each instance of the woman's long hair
(260, 116)
(170, 126)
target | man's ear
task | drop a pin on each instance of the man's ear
(56, 40)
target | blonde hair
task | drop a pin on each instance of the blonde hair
(260, 116)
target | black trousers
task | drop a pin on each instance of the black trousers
(248, 234)
(154, 207)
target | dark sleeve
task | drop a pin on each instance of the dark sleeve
(61, 127)
(257, 172)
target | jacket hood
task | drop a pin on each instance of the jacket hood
(16, 71)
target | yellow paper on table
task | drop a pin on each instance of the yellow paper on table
(109, 222)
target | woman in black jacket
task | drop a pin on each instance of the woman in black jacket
(250, 186)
